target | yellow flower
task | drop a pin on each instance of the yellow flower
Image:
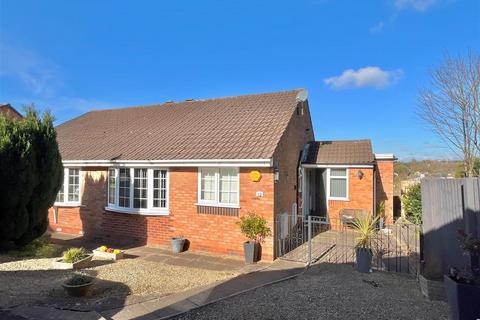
(103, 248)
(117, 251)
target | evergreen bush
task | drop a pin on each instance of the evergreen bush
(31, 174)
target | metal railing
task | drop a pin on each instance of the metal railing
(395, 247)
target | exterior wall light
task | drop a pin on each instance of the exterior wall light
(360, 174)
(276, 175)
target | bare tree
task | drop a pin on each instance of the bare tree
(451, 106)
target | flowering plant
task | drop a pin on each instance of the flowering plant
(109, 250)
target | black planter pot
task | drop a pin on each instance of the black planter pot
(250, 249)
(79, 290)
(463, 299)
(364, 259)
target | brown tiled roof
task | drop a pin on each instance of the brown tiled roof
(340, 152)
(8, 111)
(243, 127)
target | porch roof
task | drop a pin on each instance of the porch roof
(347, 152)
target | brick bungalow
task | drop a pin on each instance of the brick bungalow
(193, 168)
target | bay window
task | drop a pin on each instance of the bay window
(69, 193)
(338, 184)
(138, 190)
(219, 186)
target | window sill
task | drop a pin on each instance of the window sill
(143, 212)
(338, 199)
(220, 205)
(67, 204)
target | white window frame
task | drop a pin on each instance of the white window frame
(66, 202)
(216, 202)
(329, 177)
(150, 210)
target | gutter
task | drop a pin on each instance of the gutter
(172, 163)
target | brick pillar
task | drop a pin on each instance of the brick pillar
(384, 186)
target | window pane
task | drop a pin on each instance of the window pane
(160, 188)
(207, 191)
(338, 172)
(140, 188)
(73, 184)
(111, 186)
(60, 194)
(338, 187)
(228, 185)
(124, 188)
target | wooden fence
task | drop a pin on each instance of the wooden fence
(448, 205)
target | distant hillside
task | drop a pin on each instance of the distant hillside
(427, 168)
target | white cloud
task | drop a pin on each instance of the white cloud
(377, 28)
(364, 77)
(418, 5)
(39, 75)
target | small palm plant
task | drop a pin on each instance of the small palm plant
(365, 227)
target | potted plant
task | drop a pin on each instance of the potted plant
(365, 226)
(177, 244)
(73, 258)
(255, 228)
(463, 287)
(78, 285)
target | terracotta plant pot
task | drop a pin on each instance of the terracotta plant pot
(364, 259)
(250, 249)
(463, 299)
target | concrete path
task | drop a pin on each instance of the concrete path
(46, 313)
(182, 302)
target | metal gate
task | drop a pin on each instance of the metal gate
(396, 247)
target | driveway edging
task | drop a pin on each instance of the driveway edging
(305, 269)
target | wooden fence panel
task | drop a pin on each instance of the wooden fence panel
(447, 206)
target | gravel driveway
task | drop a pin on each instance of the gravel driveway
(329, 291)
(34, 282)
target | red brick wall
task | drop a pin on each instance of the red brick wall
(299, 131)
(206, 232)
(68, 220)
(360, 193)
(384, 187)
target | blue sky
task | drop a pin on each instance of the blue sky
(362, 62)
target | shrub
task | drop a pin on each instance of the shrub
(254, 227)
(412, 204)
(31, 175)
(38, 248)
(78, 280)
(73, 255)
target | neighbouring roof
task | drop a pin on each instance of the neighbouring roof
(340, 152)
(7, 110)
(243, 127)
